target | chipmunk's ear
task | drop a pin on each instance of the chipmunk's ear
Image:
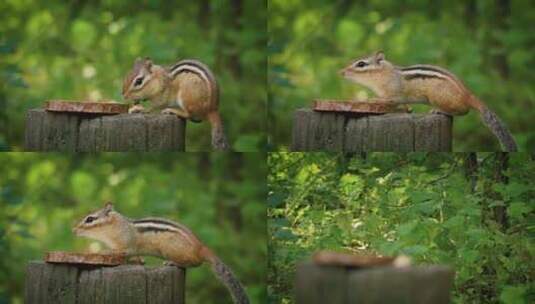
(108, 207)
(379, 56)
(148, 63)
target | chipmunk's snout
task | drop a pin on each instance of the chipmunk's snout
(343, 72)
(124, 93)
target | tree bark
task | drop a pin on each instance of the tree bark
(72, 284)
(331, 131)
(500, 166)
(470, 14)
(471, 169)
(343, 285)
(236, 15)
(503, 12)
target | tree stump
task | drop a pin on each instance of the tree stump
(68, 283)
(341, 285)
(397, 132)
(75, 132)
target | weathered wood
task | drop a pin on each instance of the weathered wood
(397, 132)
(63, 283)
(84, 258)
(341, 285)
(351, 106)
(54, 131)
(86, 107)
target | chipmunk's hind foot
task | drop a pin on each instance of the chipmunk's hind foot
(437, 111)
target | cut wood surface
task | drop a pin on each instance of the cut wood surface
(74, 132)
(84, 258)
(317, 284)
(350, 132)
(331, 258)
(48, 283)
(86, 107)
(369, 107)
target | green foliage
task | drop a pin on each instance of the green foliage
(82, 50)
(219, 196)
(309, 41)
(416, 204)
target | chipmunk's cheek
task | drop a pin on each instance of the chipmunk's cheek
(126, 96)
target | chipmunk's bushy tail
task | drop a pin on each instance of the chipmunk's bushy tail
(495, 124)
(225, 275)
(219, 140)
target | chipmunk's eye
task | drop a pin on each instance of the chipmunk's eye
(361, 64)
(90, 219)
(138, 81)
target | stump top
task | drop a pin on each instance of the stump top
(84, 258)
(330, 258)
(86, 107)
(351, 106)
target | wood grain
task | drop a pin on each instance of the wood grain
(350, 106)
(68, 132)
(353, 132)
(317, 284)
(48, 283)
(86, 107)
(84, 258)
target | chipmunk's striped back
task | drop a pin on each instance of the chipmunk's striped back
(424, 71)
(200, 69)
(158, 225)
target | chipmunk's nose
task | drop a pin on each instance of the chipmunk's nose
(342, 72)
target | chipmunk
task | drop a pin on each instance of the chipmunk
(187, 89)
(156, 237)
(426, 84)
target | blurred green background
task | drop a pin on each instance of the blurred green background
(488, 44)
(471, 211)
(82, 50)
(219, 196)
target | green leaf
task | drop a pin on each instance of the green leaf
(276, 200)
(415, 250)
(513, 295)
(518, 209)
(279, 222)
(407, 228)
(285, 235)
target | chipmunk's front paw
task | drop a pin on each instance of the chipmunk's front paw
(170, 263)
(437, 111)
(136, 109)
(168, 111)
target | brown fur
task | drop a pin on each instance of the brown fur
(181, 246)
(185, 94)
(424, 84)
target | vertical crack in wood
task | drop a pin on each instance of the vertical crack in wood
(77, 285)
(344, 130)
